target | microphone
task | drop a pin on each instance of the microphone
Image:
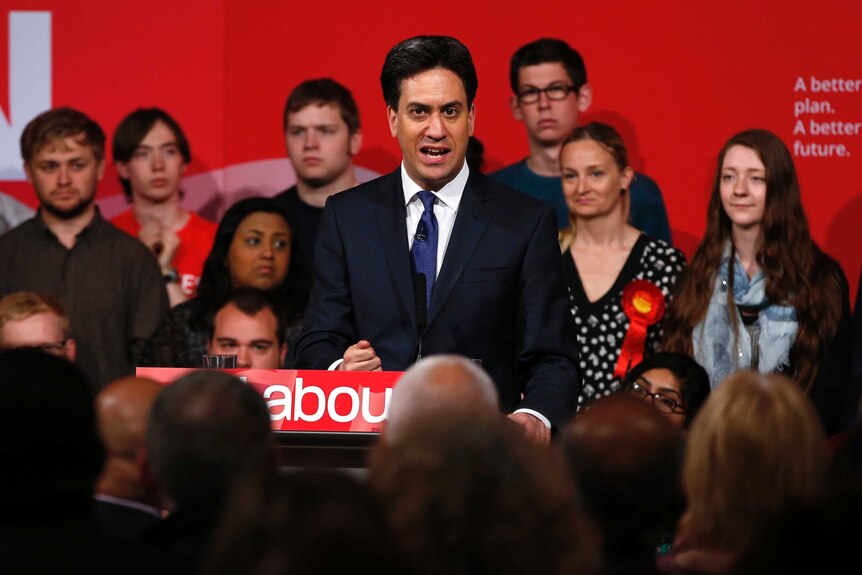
(420, 290)
(421, 233)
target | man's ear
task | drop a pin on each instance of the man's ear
(515, 106)
(148, 478)
(355, 142)
(585, 98)
(71, 350)
(392, 117)
(282, 354)
(122, 169)
(28, 172)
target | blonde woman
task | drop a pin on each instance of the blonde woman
(620, 280)
(755, 448)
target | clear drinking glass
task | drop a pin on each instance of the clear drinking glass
(219, 361)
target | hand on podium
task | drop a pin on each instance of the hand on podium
(360, 357)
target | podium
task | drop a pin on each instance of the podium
(319, 418)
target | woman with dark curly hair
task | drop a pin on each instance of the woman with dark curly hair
(759, 294)
(675, 384)
(252, 248)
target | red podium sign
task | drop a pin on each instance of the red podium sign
(310, 400)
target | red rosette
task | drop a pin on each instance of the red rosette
(644, 305)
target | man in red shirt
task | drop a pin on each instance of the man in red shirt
(150, 154)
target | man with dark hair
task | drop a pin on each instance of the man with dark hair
(50, 457)
(249, 325)
(549, 94)
(498, 296)
(205, 431)
(322, 134)
(151, 153)
(626, 460)
(108, 282)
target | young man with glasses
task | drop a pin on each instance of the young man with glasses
(33, 320)
(550, 92)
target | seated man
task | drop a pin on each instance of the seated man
(30, 319)
(206, 430)
(151, 153)
(126, 495)
(550, 92)
(250, 326)
(626, 458)
(442, 385)
(50, 456)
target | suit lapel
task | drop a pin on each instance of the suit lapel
(391, 218)
(474, 212)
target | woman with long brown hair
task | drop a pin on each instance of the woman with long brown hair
(759, 294)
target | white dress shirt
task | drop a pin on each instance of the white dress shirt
(445, 208)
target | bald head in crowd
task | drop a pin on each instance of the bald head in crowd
(442, 384)
(123, 409)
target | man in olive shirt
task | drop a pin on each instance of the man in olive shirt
(109, 283)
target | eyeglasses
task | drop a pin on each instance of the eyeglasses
(531, 94)
(664, 403)
(57, 348)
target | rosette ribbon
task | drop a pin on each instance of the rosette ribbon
(644, 304)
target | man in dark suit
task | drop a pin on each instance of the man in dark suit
(434, 258)
(125, 493)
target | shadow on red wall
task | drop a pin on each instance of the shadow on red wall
(844, 240)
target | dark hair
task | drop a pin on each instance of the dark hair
(625, 458)
(58, 124)
(322, 91)
(475, 154)
(205, 430)
(475, 496)
(797, 272)
(250, 301)
(548, 50)
(343, 527)
(51, 452)
(420, 53)
(215, 284)
(693, 379)
(134, 128)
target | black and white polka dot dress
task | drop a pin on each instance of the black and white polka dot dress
(602, 324)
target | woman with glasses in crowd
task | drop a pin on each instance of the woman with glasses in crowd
(675, 384)
(619, 279)
(759, 294)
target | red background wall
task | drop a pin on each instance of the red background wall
(676, 79)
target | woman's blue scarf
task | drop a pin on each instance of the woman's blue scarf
(721, 351)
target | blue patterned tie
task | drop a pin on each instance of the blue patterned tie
(425, 244)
